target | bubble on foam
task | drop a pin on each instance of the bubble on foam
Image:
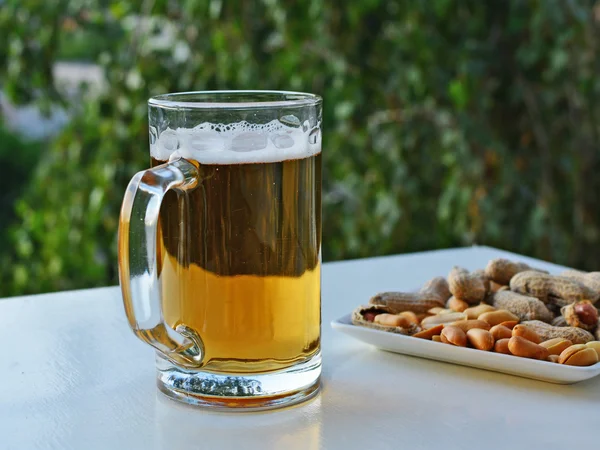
(239, 143)
(282, 141)
(249, 141)
(290, 120)
(201, 140)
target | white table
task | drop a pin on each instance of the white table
(73, 376)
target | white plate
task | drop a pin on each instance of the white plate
(497, 362)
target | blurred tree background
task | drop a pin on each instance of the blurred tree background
(446, 122)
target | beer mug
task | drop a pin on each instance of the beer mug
(220, 247)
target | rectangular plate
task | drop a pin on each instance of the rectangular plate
(497, 362)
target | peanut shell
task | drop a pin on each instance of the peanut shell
(523, 306)
(576, 319)
(501, 270)
(546, 332)
(417, 302)
(560, 291)
(470, 287)
(559, 321)
(358, 318)
(591, 280)
(439, 287)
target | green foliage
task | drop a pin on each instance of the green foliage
(16, 173)
(446, 122)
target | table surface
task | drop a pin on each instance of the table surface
(75, 377)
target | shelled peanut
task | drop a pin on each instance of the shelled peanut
(508, 308)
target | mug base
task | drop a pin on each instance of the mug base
(240, 392)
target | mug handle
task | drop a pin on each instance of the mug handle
(138, 268)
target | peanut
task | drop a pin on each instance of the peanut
(429, 333)
(454, 336)
(466, 325)
(410, 316)
(552, 358)
(595, 345)
(456, 304)
(480, 339)
(552, 289)
(499, 316)
(546, 332)
(559, 321)
(436, 338)
(475, 311)
(470, 287)
(520, 346)
(578, 355)
(586, 312)
(392, 320)
(581, 314)
(501, 346)
(524, 307)
(501, 270)
(432, 321)
(439, 310)
(557, 345)
(510, 324)
(500, 332)
(527, 333)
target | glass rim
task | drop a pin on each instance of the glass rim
(189, 99)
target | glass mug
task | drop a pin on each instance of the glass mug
(220, 247)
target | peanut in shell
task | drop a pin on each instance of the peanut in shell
(523, 306)
(501, 270)
(469, 287)
(551, 289)
(417, 302)
(546, 332)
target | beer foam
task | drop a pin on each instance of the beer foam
(237, 143)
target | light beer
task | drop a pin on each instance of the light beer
(239, 262)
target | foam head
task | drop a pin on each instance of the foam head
(238, 143)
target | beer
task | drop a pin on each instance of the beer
(239, 261)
